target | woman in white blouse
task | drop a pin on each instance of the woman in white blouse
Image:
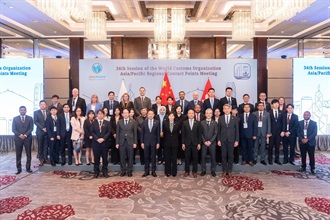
(77, 137)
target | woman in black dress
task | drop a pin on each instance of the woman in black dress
(179, 119)
(88, 137)
(113, 121)
(126, 103)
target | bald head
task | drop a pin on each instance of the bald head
(195, 95)
(75, 92)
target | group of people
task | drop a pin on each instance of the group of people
(181, 129)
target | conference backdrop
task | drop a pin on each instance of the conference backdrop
(311, 90)
(101, 76)
(21, 83)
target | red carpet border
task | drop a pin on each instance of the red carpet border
(243, 183)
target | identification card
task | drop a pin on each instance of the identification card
(245, 125)
(259, 124)
(111, 111)
(305, 132)
(287, 127)
(54, 128)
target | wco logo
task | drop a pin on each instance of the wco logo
(97, 68)
(242, 71)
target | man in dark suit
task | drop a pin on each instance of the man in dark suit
(195, 101)
(183, 102)
(65, 134)
(40, 117)
(53, 131)
(209, 132)
(276, 119)
(142, 101)
(262, 98)
(264, 132)
(56, 104)
(248, 134)
(289, 134)
(211, 102)
(191, 139)
(228, 99)
(111, 104)
(199, 116)
(100, 131)
(126, 142)
(22, 128)
(246, 99)
(75, 101)
(228, 137)
(307, 131)
(150, 142)
(141, 118)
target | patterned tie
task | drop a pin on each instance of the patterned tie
(191, 123)
(276, 116)
(227, 121)
(44, 114)
(288, 119)
(306, 125)
(229, 101)
(260, 116)
(23, 120)
(126, 123)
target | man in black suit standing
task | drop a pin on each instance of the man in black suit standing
(65, 134)
(56, 104)
(22, 128)
(191, 139)
(150, 142)
(248, 134)
(183, 102)
(53, 131)
(246, 99)
(211, 102)
(141, 102)
(139, 120)
(100, 131)
(262, 98)
(75, 101)
(111, 104)
(195, 101)
(228, 137)
(276, 120)
(126, 142)
(307, 131)
(40, 117)
(228, 99)
(199, 116)
(289, 134)
(209, 132)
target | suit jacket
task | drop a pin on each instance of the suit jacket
(139, 121)
(171, 139)
(276, 125)
(209, 133)
(241, 108)
(106, 104)
(62, 130)
(185, 103)
(154, 107)
(39, 121)
(311, 132)
(77, 127)
(201, 116)
(114, 124)
(26, 128)
(230, 133)
(224, 101)
(168, 110)
(59, 108)
(129, 132)
(98, 106)
(104, 133)
(191, 105)
(129, 106)
(267, 107)
(80, 102)
(207, 104)
(293, 126)
(252, 126)
(138, 104)
(191, 137)
(50, 125)
(150, 138)
(266, 125)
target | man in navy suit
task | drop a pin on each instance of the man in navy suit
(150, 138)
(22, 128)
(195, 101)
(40, 117)
(100, 131)
(246, 99)
(289, 134)
(53, 131)
(307, 131)
(248, 134)
(184, 103)
(211, 102)
(65, 134)
(228, 99)
(111, 104)
(262, 98)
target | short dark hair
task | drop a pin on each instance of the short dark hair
(229, 88)
(150, 110)
(211, 89)
(182, 92)
(262, 103)
(111, 92)
(55, 96)
(171, 113)
(65, 104)
(170, 97)
(158, 97)
(53, 107)
(246, 95)
(42, 101)
(22, 107)
(274, 101)
(142, 88)
(125, 109)
(234, 107)
(289, 105)
(100, 110)
(247, 104)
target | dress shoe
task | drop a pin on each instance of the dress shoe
(195, 175)
(263, 162)
(285, 162)
(186, 174)
(29, 170)
(129, 174)
(105, 175)
(292, 163)
(41, 163)
(174, 175)
(88, 164)
(219, 164)
(53, 164)
(302, 169)
(18, 172)
(154, 174)
(134, 163)
(255, 162)
(230, 175)
(47, 162)
(63, 163)
(70, 163)
(96, 175)
(224, 174)
(160, 162)
(203, 173)
(278, 162)
(270, 162)
(243, 163)
(122, 174)
(142, 163)
(251, 164)
(77, 164)
(168, 175)
(213, 174)
(312, 171)
(145, 174)
(57, 162)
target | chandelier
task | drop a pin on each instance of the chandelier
(162, 51)
(243, 26)
(173, 51)
(160, 22)
(178, 22)
(96, 26)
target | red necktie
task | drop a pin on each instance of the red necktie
(288, 120)
(260, 117)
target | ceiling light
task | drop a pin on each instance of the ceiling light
(11, 7)
(160, 24)
(178, 24)
(243, 26)
(95, 26)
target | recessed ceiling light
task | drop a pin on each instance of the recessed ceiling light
(215, 16)
(11, 7)
(34, 20)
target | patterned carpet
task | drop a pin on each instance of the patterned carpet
(274, 194)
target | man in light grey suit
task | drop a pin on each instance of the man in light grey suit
(126, 140)
(141, 102)
(228, 137)
(264, 132)
(209, 138)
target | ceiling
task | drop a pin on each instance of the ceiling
(21, 22)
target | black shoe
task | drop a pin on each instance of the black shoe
(270, 162)
(96, 175)
(203, 173)
(255, 162)
(53, 164)
(129, 174)
(70, 163)
(278, 162)
(142, 163)
(57, 162)
(213, 174)
(313, 171)
(88, 164)
(154, 174)
(134, 163)
(145, 174)
(174, 175)
(63, 163)
(285, 162)
(263, 162)
(115, 163)
(122, 174)
(18, 172)
(29, 170)
(292, 163)
(302, 169)
(105, 175)
(159, 162)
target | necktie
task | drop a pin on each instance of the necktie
(197, 116)
(67, 125)
(260, 116)
(208, 123)
(45, 115)
(171, 127)
(142, 99)
(306, 125)
(100, 126)
(276, 115)
(227, 120)
(246, 118)
(212, 102)
(111, 104)
(150, 125)
(23, 120)
(288, 119)
(126, 123)
(229, 101)
(191, 123)
(73, 104)
(195, 102)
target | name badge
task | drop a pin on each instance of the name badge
(54, 128)
(260, 124)
(305, 133)
(245, 125)
(287, 127)
(111, 111)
